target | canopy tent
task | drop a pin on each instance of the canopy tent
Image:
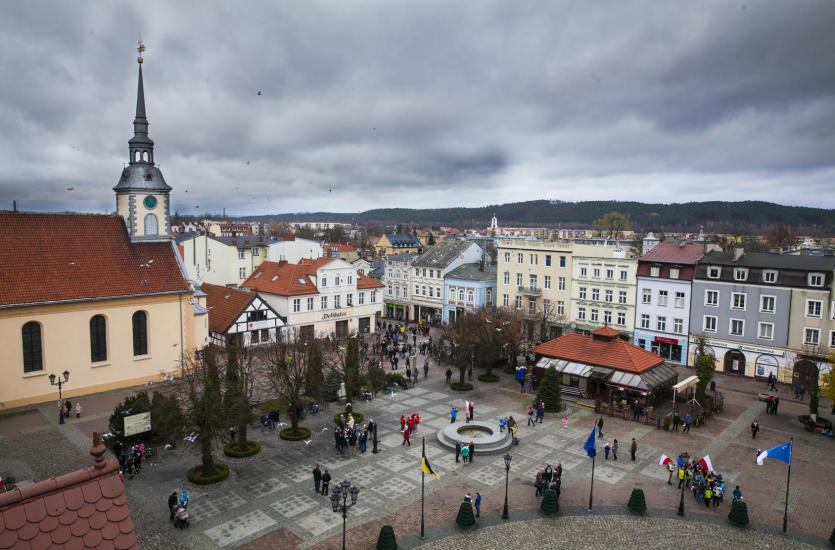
(683, 385)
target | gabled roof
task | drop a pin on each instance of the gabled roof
(283, 279)
(443, 253)
(771, 261)
(225, 305)
(83, 509)
(472, 272)
(70, 257)
(674, 253)
(602, 348)
(364, 282)
(400, 240)
(338, 247)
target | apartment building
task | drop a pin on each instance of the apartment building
(468, 287)
(428, 273)
(603, 286)
(662, 312)
(765, 314)
(534, 277)
(224, 261)
(397, 281)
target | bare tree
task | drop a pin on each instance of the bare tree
(199, 390)
(237, 401)
(287, 363)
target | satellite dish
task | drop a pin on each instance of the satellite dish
(572, 325)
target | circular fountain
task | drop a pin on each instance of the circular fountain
(487, 437)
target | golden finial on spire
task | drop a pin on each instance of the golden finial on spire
(140, 49)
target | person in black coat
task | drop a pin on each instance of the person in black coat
(326, 480)
(172, 505)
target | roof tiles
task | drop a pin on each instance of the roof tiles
(606, 350)
(225, 305)
(282, 279)
(67, 257)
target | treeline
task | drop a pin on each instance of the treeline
(715, 216)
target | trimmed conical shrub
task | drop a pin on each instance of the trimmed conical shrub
(550, 502)
(386, 540)
(637, 502)
(832, 538)
(739, 513)
(550, 390)
(465, 515)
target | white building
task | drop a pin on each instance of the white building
(292, 250)
(397, 280)
(322, 297)
(428, 273)
(224, 261)
(603, 283)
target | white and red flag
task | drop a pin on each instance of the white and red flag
(706, 465)
(665, 460)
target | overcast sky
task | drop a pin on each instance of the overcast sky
(369, 104)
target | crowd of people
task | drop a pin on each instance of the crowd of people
(548, 478)
(408, 426)
(707, 486)
(349, 436)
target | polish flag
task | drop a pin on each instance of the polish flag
(705, 463)
(665, 460)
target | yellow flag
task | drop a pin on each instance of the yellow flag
(427, 469)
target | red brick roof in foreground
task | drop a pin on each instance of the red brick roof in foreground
(282, 279)
(67, 257)
(603, 348)
(82, 509)
(225, 305)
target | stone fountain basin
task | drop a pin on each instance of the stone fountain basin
(485, 435)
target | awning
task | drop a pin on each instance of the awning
(600, 373)
(655, 377)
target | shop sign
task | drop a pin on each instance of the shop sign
(137, 423)
(740, 347)
(335, 315)
(662, 340)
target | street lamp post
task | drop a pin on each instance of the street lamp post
(343, 490)
(507, 459)
(685, 457)
(59, 383)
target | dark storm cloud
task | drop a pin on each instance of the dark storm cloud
(376, 104)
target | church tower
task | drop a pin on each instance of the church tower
(142, 196)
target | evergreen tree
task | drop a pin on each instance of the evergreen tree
(739, 513)
(166, 417)
(386, 540)
(315, 377)
(352, 369)
(550, 391)
(704, 365)
(637, 502)
(550, 502)
(465, 518)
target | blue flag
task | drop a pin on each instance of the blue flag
(589, 445)
(780, 452)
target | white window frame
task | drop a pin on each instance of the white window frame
(520, 258)
(297, 305)
(674, 272)
(622, 296)
(534, 259)
(595, 294)
(547, 283)
(519, 278)
(744, 301)
(594, 315)
(769, 274)
(581, 313)
(621, 319)
(581, 292)
(507, 257)
(242, 272)
(507, 277)
(816, 279)
(646, 296)
(645, 320)
(595, 273)
(731, 322)
(763, 298)
(819, 308)
(706, 326)
(361, 299)
(663, 296)
(324, 302)
(517, 303)
(708, 293)
(470, 296)
(607, 316)
(654, 271)
(740, 274)
(241, 254)
(608, 295)
(624, 275)
(661, 323)
(560, 307)
(832, 339)
(760, 327)
(310, 305)
(584, 272)
(337, 302)
(610, 274)
(561, 283)
(680, 298)
(714, 272)
(678, 326)
(505, 300)
(811, 330)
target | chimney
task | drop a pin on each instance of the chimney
(739, 252)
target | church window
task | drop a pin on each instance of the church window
(98, 339)
(151, 224)
(32, 350)
(140, 333)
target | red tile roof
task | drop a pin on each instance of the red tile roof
(282, 279)
(82, 509)
(338, 247)
(364, 282)
(673, 253)
(66, 257)
(225, 305)
(603, 349)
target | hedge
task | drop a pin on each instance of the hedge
(357, 417)
(285, 434)
(489, 377)
(458, 386)
(195, 477)
(254, 448)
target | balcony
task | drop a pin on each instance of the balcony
(530, 290)
(528, 314)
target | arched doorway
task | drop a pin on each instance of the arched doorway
(734, 362)
(805, 372)
(765, 366)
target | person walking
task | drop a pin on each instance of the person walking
(477, 504)
(600, 427)
(671, 467)
(558, 471)
(676, 421)
(687, 421)
(514, 430)
(681, 476)
(406, 439)
(457, 450)
(755, 427)
(565, 423)
(452, 414)
(472, 412)
(465, 454)
(775, 405)
(448, 375)
(426, 368)
(172, 505)
(326, 480)
(531, 419)
(317, 478)
(708, 496)
(472, 450)
(771, 381)
(633, 448)
(78, 410)
(615, 450)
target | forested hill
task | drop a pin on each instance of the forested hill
(716, 216)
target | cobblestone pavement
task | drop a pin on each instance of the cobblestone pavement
(268, 500)
(623, 533)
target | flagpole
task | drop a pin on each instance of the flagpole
(422, 476)
(788, 481)
(591, 490)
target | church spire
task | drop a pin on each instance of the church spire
(141, 146)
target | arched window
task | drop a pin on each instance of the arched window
(140, 333)
(151, 226)
(470, 296)
(98, 339)
(32, 350)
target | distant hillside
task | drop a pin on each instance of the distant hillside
(716, 216)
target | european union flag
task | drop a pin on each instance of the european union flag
(589, 446)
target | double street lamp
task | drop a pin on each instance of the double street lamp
(343, 490)
(507, 459)
(59, 383)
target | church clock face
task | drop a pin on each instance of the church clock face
(150, 202)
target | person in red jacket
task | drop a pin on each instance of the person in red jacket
(402, 422)
(417, 421)
(410, 424)
(406, 438)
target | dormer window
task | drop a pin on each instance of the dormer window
(674, 272)
(714, 272)
(654, 271)
(769, 276)
(740, 274)
(816, 279)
